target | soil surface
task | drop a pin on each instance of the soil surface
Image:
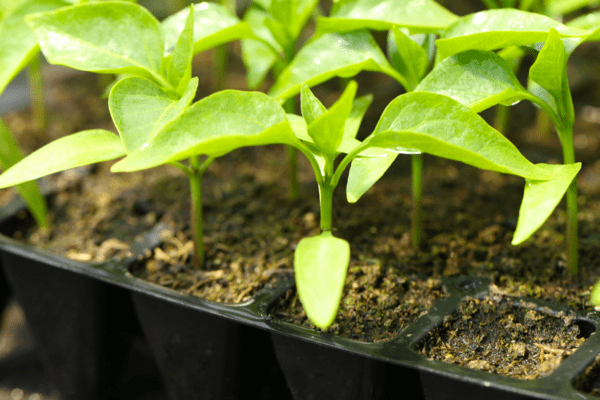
(496, 334)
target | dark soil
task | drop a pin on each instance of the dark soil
(496, 334)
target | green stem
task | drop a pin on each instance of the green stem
(195, 173)
(502, 118)
(417, 194)
(566, 139)
(326, 203)
(36, 84)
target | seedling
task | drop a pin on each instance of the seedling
(482, 79)
(414, 122)
(124, 38)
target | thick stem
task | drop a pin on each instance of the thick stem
(566, 139)
(36, 84)
(326, 203)
(195, 172)
(196, 219)
(417, 194)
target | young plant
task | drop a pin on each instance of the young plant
(343, 47)
(124, 38)
(414, 122)
(481, 79)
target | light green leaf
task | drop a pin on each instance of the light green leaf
(365, 172)
(441, 126)
(541, 198)
(259, 57)
(215, 125)
(563, 7)
(497, 29)
(320, 265)
(327, 130)
(10, 154)
(359, 108)
(19, 43)
(343, 55)
(589, 21)
(409, 58)
(213, 25)
(420, 16)
(311, 107)
(293, 14)
(108, 37)
(477, 79)
(548, 70)
(82, 148)
(179, 67)
(140, 108)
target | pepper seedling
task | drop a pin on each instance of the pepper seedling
(481, 79)
(414, 122)
(124, 38)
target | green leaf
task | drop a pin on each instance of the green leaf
(320, 265)
(311, 107)
(541, 198)
(407, 57)
(553, 89)
(359, 108)
(563, 7)
(327, 130)
(179, 67)
(477, 79)
(420, 16)
(343, 55)
(108, 37)
(82, 148)
(213, 25)
(215, 125)
(365, 172)
(140, 108)
(10, 154)
(19, 43)
(589, 21)
(441, 126)
(497, 29)
(259, 57)
(293, 14)
(548, 70)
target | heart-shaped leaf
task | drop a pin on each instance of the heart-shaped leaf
(320, 265)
